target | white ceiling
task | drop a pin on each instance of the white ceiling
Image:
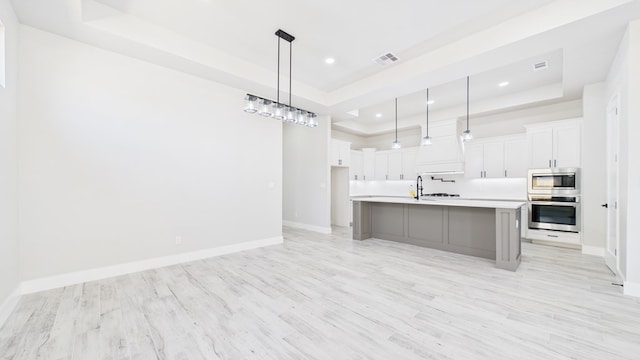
(439, 43)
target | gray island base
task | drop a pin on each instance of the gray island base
(487, 229)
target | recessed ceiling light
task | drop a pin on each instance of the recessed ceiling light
(430, 102)
(378, 115)
(504, 83)
(329, 61)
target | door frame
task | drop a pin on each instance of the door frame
(612, 241)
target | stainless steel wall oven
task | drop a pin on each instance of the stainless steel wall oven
(554, 199)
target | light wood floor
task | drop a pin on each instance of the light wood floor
(327, 297)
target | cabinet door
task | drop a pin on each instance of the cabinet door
(345, 153)
(515, 155)
(566, 144)
(394, 165)
(335, 153)
(409, 163)
(473, 160)
(493, 160)
(369, 164)
(381, 169)
(540, 148)
(356, 169)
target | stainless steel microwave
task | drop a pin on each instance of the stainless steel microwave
(554, 181)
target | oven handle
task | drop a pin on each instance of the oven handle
(574, 204)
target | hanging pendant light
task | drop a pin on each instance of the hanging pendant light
(279, 111)
(426, 141)
(396, 144)
(466, 135)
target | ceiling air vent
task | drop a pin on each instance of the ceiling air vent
(386, 59)
(540, 65)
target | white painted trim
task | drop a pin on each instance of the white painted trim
(593, 250)
(57, 281)
(320, 229)
(9, 305)
(632, 288)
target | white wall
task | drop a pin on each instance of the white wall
(119, 156)
(594, 165)
(307, 176)
(8, 164)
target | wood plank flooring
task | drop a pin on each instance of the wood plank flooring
(328, 297)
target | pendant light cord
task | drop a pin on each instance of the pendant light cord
(427, 112)
(467, 102)
(290, 71)
(278, 82)
(396, 119)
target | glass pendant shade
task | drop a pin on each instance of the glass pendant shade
(396, 145)
(466, 135)
(278, 111)
(426, 141)
(311, 120)
(265, 108)
(301, 117)
(290, 115)
(250, 104)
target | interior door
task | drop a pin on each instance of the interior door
(611, 249)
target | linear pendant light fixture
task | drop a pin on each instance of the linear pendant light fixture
(426, 141)
(466, 135)
(279, 111)
(396, 144)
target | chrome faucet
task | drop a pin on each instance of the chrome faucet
(418, 187)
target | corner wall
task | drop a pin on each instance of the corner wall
(307, 176)
(119, 157)
(594, 165)
(9, 278)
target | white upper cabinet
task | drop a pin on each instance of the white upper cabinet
(340, 153)
(484, 160)
(369, 163)
(356, 169)
(498, 157)
(396, 164)
(381, 165)
(515, 157)
(554, 144)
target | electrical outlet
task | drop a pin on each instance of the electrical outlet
(178, 240)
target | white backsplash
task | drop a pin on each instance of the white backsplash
(503, 189)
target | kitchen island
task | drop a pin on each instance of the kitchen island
(488, 229)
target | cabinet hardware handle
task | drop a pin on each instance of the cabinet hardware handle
(553, 236)
(505, 173)
(549, 163)
(480, 173)
(339, 162)
(386, 177)
(555, 163)
(605, 205)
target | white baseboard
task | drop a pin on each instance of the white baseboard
(593, 250)
(320, 229)
(9, 305)
(632, 288)
(57, 281)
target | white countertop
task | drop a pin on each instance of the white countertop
(501, 204)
